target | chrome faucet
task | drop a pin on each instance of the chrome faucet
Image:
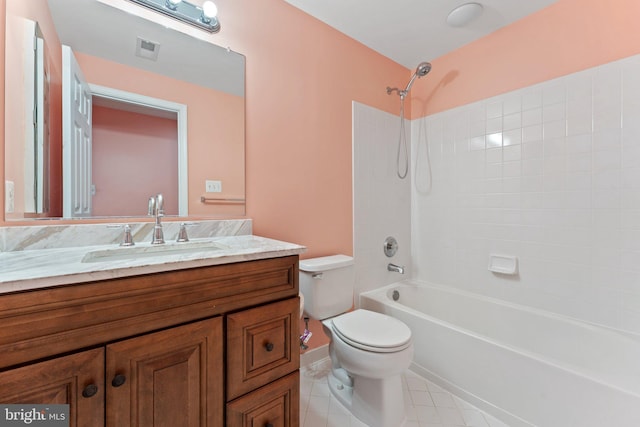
(396, 268)
(156, 209)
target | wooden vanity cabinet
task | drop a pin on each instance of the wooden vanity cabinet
(155, 350)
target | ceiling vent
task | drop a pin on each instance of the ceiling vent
(147, 49)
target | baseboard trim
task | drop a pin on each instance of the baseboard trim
(312, 356)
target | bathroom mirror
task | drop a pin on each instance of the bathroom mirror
(162, 112)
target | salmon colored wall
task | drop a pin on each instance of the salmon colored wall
(137, 159)
(302, 77)
(566, 37)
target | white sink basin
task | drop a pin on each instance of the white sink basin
(147, 250)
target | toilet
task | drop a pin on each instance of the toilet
(369, 351)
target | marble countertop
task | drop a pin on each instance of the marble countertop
(39, 268)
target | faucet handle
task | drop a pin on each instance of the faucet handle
(127, 237)
(182, 234)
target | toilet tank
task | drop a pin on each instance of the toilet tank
(327, 285)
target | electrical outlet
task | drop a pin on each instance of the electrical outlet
(213, 186)
(9, 196)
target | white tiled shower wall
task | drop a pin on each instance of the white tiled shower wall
(548, 173)
(381, 201)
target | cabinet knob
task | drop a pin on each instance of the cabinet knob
(90, 390)
(269, 347)
(118, 380)
(268, 425)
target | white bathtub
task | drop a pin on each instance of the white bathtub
(526, 367)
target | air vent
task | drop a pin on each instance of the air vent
(147, 49)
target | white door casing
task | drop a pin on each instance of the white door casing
(42, 128)
(76, 138)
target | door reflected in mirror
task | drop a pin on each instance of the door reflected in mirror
(160, 112)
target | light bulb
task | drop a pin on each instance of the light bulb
(209, 9)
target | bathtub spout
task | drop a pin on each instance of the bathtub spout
(396, 268)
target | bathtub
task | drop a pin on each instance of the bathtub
(524, 366)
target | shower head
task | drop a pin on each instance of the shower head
(423, 68)
(421, 71)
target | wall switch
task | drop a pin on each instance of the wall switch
(9, 196)
(213, 186)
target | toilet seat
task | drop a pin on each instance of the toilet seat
(372, 331)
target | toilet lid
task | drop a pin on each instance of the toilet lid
(372, 331)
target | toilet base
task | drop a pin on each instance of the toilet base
(376, 402)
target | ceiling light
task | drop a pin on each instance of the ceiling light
(201, 17)
(209, 13)
(209, 9)
(464, 14)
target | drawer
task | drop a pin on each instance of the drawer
(276, 405)
(262, 346)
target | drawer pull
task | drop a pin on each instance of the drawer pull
(118, 380)
(269, 346)
(90, 390)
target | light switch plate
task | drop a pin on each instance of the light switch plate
(9, 196)
(213, 186)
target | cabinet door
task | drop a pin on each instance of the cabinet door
(275, 405)
(262, 345)
(76, 380)
(168, 378)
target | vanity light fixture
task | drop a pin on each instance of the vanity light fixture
(204, 17)
(173, 4)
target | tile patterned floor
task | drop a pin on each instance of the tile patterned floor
(427, 404)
